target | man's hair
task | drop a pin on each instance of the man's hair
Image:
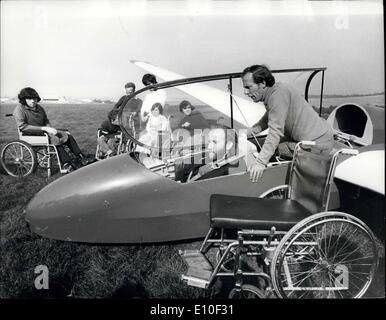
(260, 73)
(185, 103)
(148, 78)
(130, 85)
(28, 93)
(112, 114)
(158, 106)
(230, 136)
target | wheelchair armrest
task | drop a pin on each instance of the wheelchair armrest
(33, 133)
(307, 143)
(353, 152)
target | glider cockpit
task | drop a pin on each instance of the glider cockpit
(172, 119)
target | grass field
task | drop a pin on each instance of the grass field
(82, 270)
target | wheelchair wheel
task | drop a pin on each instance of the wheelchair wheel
(129, 146)
(18, 159)
(42, 157)
(279, 192)
(229, 263)
(247, 291)
(327, 255)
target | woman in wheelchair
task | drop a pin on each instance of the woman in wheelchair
(32, 119)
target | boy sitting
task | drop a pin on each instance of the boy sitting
(108, 139)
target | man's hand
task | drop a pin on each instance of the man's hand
(50, 130)
(256, 171)
(186, 124)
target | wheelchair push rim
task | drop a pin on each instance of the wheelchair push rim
(328, 255)
(18, 159)
(246, 291)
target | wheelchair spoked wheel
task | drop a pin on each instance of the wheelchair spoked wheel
(129, 146)
(18, 158)
(247, 291)
(279, 192)
(42, 157)
(229, 263)
(328, 255)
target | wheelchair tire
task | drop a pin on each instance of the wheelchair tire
(247, 291)
(18, 158)
(327, 255)
(129, 146)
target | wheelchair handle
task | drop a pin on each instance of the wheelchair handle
(271, 234)
(65, 130)
(352, 152)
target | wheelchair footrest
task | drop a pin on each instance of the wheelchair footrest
(199, 268)
(195, 259)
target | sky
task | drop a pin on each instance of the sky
(83, 48)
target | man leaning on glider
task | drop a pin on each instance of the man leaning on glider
(289, 117)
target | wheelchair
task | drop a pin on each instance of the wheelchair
(21, 157)
(122, 145)
(279, 247)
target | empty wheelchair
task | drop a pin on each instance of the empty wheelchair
(291, 247)
(21, 157)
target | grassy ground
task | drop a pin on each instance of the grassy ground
(82, 270)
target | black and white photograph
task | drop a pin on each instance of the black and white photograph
(196, 150)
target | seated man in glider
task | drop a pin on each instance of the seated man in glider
(221, 154)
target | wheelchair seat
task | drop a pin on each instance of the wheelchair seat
(255, 213)
(309, 182)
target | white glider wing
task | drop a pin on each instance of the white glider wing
(366, 170)
(250, 112)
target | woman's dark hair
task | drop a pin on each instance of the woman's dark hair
(130, 85)
(260, 73)
(148, 78)
(184, 104)
(28, 93)
(157, 106)
(112, 114)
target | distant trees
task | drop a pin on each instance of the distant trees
(102, 101)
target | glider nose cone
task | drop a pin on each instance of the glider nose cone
(80, 201)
